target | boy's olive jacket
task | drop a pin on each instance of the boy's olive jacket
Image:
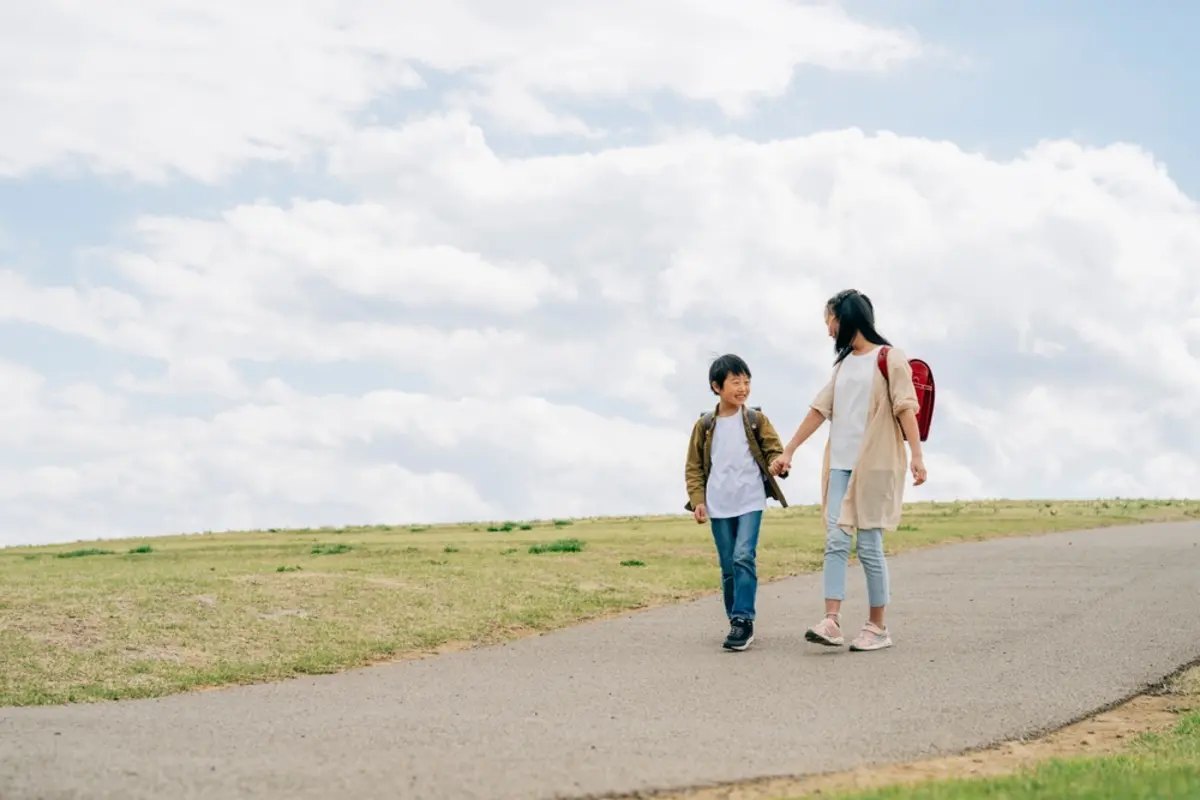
(699, 457)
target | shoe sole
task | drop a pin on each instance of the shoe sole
(737, 648)
(855, 649)
(816, 638)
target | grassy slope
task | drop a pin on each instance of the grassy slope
(1157, 766)
(216, 609)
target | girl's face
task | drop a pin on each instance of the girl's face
(831, 323)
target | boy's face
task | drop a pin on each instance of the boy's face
(735, 391)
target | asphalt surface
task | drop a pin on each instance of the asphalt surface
(994, 640)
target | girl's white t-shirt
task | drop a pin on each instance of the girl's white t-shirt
(851, 400)
(735, 484)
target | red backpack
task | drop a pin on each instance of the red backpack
(922, 377)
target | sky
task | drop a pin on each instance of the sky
(323, 263)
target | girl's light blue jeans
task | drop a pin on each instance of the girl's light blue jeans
(837, 549)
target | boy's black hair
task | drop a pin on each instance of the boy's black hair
(855, 314)
(724, 366)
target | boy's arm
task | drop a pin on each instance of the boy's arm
(772, 446)
(694, 471)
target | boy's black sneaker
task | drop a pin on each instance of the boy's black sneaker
(741, 634)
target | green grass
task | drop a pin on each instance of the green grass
(1157, 767)
(91, 551)
(330, 549)
(557, 546)
(225, 608)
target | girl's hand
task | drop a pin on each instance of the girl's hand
(918, 469)
(780, 465)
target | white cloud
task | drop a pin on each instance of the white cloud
(153, 88)
(914, 217)
(287, 458)
(189, 375)
(363, 250)
(21, 386)
(470, 334)
(602, 281)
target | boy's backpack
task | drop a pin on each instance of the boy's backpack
(922, 377)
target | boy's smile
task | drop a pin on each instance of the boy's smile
(734, 393)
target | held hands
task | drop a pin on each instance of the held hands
(781, 464)
(917, 467)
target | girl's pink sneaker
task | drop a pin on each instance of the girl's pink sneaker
(871, 637)
(826, 632)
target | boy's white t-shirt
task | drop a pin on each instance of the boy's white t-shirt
(851, 400)
(735, 484)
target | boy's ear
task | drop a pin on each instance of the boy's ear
(716, 389)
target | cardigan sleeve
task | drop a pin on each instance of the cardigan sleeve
(900, 383)
(823, 402)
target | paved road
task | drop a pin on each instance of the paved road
(994, 640)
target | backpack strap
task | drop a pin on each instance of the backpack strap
(883, 354)
(752, 413)
(709, 418)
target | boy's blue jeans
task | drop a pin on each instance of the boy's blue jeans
(737, 550)
(837, 548)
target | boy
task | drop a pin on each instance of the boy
(728, 483)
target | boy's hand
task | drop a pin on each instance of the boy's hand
(780, 465)
(918, 469)
(701, 514)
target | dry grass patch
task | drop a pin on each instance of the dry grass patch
(204, 610)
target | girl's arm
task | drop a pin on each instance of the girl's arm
(812, 422)
(819, 410)
(908, 423)
(904, 406)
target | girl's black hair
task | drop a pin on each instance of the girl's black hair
(855, 315)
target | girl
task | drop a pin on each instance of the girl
(862, 477)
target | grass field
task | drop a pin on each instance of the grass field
(1155, 767)
(147, 617)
